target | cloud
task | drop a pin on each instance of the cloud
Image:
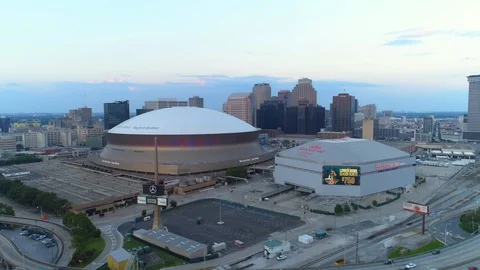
(422, 33)
(132, 88)
(110, 80)
(419, 54)
(470, 58)
(403, 42)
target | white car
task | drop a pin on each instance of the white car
(281, 257)
(410, 266)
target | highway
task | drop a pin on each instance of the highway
(61, 233)
(447, 259)
(441, 205)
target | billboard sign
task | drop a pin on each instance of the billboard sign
(415, 207)
(153, 190)
(161, 201)
(341, 175)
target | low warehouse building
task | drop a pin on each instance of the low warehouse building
(191, 250)
(344, 167)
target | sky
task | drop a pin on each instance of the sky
(399, 54)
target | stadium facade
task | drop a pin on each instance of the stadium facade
(190, 140)
(344, 167)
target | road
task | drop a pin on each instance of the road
(11, 254)
(447, 259)
(444, 215)
(60, 233)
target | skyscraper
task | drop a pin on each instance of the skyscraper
(4, 124)
(303, 90)
(261, 92)
(284, 95)
(241, 106)
(369, 111)
(195, 101)
(115, 113)
(474, 104)
(305, 119)
(428, 124)
(343, 112)
(271, 115)
(163, 103)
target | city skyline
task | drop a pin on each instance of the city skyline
(141, 52)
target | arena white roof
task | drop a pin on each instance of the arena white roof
(182, 121)
(343, 151)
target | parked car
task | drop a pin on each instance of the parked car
(281, 257)
(49, 245)
(24, 233)
(436, 252)
(47, 240)
(33, 236)
(472, 268)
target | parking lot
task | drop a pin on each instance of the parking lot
(75, 184)
(250, 225)
(31, 248)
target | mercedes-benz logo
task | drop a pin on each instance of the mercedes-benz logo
(152, 189)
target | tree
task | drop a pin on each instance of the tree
(338, 209)
(374, 203)
(144, 212)
(354, 206)
(173, 203)
(346, 208)
(6, 209)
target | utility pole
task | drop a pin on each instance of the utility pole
(356, 250)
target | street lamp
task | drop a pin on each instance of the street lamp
(446, 226)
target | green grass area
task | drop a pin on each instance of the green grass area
(97, 244)
(470, 221)
(170, 260)
(397, 253)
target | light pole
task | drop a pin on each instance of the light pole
(220, 204)
(446, 226)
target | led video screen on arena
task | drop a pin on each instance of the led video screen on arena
(341, 175)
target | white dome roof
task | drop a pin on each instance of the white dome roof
(182, 121)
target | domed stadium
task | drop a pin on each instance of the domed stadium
(190, 140)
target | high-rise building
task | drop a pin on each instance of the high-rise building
(195, 101)
(241, 106)
(35, 139)
(303, 90)
(115, 113)
(271, 115)
(163, 103)
(387, 113)
(80, 116)
(285, 96)
(474, 103)
(261, 93)
(4, 124)
(305, 120)
(343, 112)
(369, 111)
(141, 111)
(367, 129)
(428, 125)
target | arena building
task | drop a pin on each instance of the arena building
(190, 140)
(344, 167)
